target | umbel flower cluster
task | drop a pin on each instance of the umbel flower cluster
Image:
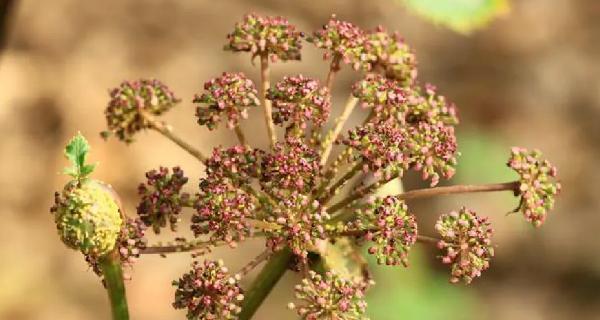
(303, 193)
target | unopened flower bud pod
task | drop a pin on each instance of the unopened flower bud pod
(88, 217)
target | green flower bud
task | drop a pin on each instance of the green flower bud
(88, 217)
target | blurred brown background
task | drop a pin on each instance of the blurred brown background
(531, 78)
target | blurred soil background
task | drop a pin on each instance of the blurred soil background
(531, 78)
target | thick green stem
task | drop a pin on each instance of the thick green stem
(264, 283)
(113, 279)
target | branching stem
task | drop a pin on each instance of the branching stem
(337, 129)
(264, 282)
(167, 131)
(240, 135)
(265, 75)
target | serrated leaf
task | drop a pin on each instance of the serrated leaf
(463, 16)
(76, 151)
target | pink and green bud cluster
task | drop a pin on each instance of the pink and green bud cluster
(431, 149)
(132, 241)
(227, 97)
(538, 185)
(390, 227)
(298, 99)
(300, 223)
(162, 199)
(389, 54)
(373, 51)
(466, 243)
(274, 37)
(390, 99)
(329, 296)
(222, 211)
(292, 165)
(387, 97)
(343, 41)
(379, 147)
(208, 291)
(238, 163)
(130, 101)
(428, 106)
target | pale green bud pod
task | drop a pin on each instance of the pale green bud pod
(88, 217)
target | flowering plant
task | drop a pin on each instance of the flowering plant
(293, 194)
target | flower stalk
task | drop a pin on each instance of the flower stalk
(265, 84)
(110, 265)
(264, 282)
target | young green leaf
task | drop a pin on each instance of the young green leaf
(463, 16)
(76, 151)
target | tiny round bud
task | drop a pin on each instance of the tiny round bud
(88, 217)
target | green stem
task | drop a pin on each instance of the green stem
(113, 279)
(264, 283)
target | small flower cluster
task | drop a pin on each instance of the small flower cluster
(208, 291)
(125, 113)
(274, 37)
(538, 186)
(432, 148)
(387, 149)
(373, 51)
(222, 211)
(300, 223)
(131, 241)
(239, 161)
(161, 198)
(342, 40)
(330, 296)
(430, 107)
(386, 97)
(390, 54)
(391, 228)
(230, 94)
(466, 242)
(299, 99)
(380, 147)
(291, 165)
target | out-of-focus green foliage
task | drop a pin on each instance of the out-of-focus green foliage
(483, 158)
(417, 292)
(463, 16)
